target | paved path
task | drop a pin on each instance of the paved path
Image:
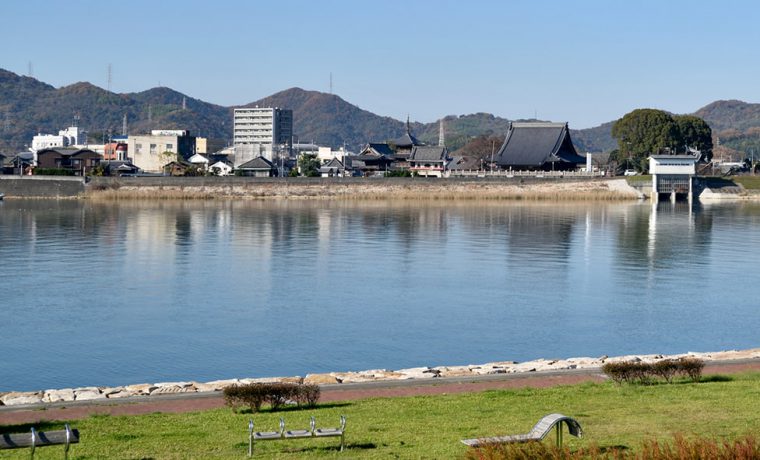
(189, 402)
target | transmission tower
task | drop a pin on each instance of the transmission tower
(184, 103)
(124, 125)
(150, 113)
(30, 70)
(109, 77)
(331, 91)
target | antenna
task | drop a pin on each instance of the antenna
(331, 83)
(124, 125)
(109, 76)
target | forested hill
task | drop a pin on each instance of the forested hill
(28, 106)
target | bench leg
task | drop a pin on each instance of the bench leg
(341, 442)
(559, 434)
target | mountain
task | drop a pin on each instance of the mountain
(28, 106)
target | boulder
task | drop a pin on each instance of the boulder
(63, 395)
(88, 394)
(140, 389)
(419, 373)
(320, 379)
(167, 389)
(16, 398)
(205, 387)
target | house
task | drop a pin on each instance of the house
(672, 175)
(369, 163)
(538, 146)
(220, 168)
(429, 161)
(78, 161)
(199, 161)
(333, 168)
(258, 167)
(118, 168)
(11, 164)
(180, 168)
(152, 152)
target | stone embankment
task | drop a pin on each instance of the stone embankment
(338, 378)
(523, 188)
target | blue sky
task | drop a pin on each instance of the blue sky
(585, 62)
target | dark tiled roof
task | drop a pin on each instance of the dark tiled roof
(378, 148)
(334, 163)
(536, 144)
(407, 141)
(429, 153)
(259, 163)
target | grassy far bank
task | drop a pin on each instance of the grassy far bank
(748, 182)
(431, 426)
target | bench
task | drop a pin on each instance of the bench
(35, 439)
(538, 433)
(312, 432)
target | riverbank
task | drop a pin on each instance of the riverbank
(343, 380)
(527, 188)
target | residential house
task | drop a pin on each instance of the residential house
(152, 152)
(220, 168)
(79, 161)
(429, 161)
(539, 146)
(258, 167)
(118, 168)
(333, 168)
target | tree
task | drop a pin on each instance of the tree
(695, 133)
(308, 165)
(644, 132)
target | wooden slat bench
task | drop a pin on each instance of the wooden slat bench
(35, 439)
(538, 433)
(312, 432)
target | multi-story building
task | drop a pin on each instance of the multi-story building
(261, 131)
(152, 152)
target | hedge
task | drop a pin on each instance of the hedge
(666, 369)
(255, 395)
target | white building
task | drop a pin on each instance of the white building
(152, 152)
(69, 136)
(261, 131)
(672, 175)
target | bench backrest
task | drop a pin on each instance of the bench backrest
(36, 438)
(544, 426)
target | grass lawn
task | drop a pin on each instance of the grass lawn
(430, 426)
(748, 182)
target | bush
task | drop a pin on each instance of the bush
(254, 395)
(53, 172)
(691, 367)
(747, 448)
(640, 372)
(666, 369)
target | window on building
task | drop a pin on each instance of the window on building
(152, 148)
(169, 147)
(138, 148)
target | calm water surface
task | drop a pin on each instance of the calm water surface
(118, 293)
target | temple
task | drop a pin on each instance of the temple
(539, 146)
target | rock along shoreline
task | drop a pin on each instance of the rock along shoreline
(21, 399)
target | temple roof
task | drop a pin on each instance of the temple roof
(429, 153)
(536, 144)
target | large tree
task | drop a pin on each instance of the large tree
(648, 131)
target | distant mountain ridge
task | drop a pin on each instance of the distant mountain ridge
(28, 106)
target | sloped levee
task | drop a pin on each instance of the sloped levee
(41, 186)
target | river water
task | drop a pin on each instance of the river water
(119, 293)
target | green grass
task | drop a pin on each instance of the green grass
(748, 182)
(431, 426)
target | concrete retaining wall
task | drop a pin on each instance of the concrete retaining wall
(41, 186)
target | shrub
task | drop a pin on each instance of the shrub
(666, 369)
(746, 448)
(308, 395)
(254, 395)
(640, 372)
(691, 367)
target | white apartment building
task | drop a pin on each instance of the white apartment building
(260, 131)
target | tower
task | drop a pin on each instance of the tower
(109, 77)
(184, 103)
(441, 135)
(124, 125)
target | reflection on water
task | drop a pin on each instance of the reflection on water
(115, 293)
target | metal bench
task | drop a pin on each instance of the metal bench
(538, 433)
(312, 432)
(35, 439)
